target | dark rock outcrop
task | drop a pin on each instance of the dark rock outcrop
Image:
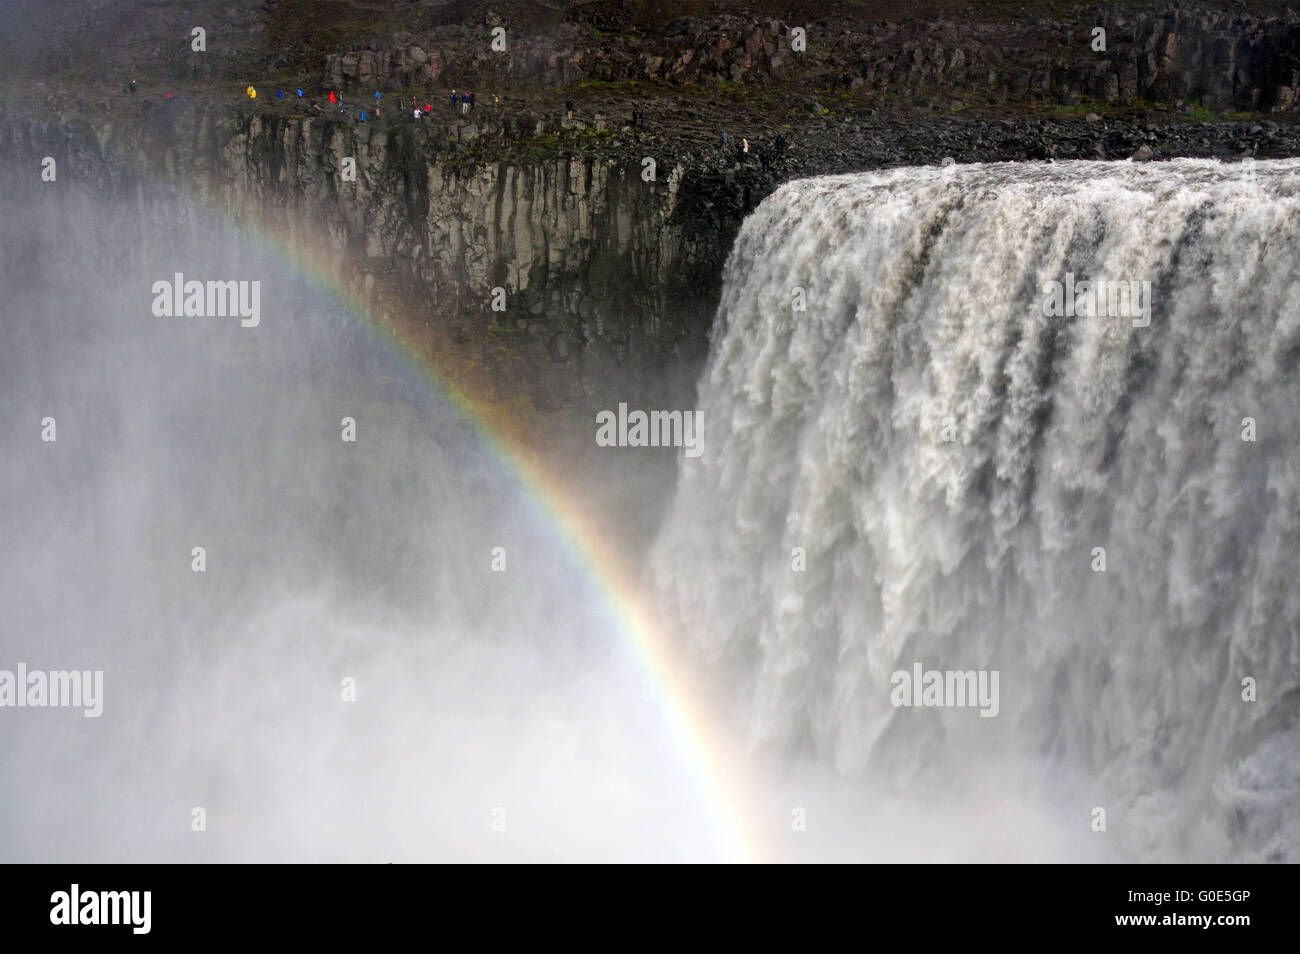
(1215, 59)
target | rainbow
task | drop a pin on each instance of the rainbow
(692, 723)
(694, 726)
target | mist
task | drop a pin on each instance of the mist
(499, 714)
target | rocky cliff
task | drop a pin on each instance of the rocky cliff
(593, 264)
(1218, 59)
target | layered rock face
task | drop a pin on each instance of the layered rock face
(1220, 61)
(730, 48)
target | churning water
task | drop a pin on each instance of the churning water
(928, 442)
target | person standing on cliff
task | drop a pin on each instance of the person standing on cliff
(568, 108)
(454, 99)
(333, 98)
(464, 103)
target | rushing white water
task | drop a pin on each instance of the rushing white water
(949, 457)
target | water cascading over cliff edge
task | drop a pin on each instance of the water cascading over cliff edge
(952, 461)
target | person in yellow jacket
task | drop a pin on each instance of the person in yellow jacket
(252, 93)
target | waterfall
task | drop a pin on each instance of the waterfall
(1032, 419)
